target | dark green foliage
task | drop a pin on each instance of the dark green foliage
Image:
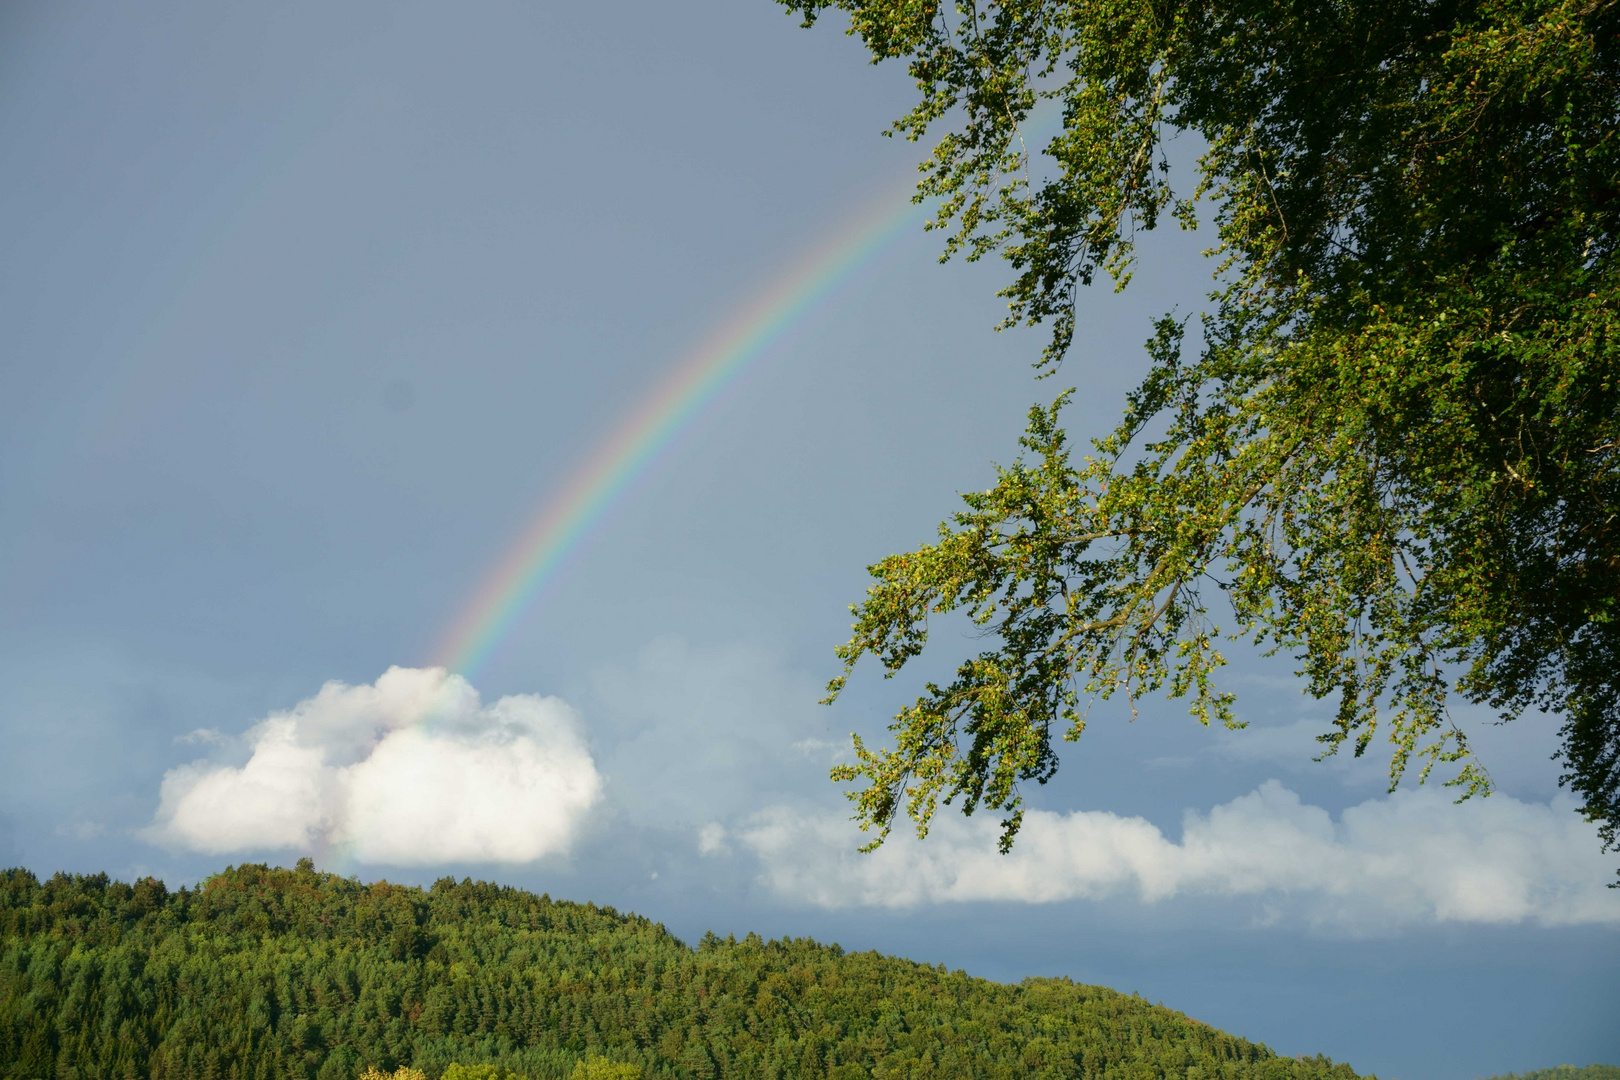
(262, 973)
(1567, 1072)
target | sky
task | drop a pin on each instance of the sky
(317, 316)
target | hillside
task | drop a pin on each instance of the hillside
(1567, 1072)
(262, 973)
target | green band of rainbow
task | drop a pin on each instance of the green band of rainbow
(567, 518)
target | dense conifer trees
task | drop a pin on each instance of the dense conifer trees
(266, 973)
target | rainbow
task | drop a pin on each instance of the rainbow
(568, 517)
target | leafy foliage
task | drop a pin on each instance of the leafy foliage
(405, 1072)
(458, 1071)
(263, 973)
(1395, 455)
(602, 1069)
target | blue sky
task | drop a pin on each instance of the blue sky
(310, 308)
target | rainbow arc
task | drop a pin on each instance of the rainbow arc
(568, 518)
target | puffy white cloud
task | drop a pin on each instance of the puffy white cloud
(1413, 857)
(412, 770)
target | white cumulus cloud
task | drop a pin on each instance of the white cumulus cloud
(1412, 857)
(412, 770)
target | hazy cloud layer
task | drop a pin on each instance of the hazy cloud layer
(413, 770)
(694, 733)
(1413, 857)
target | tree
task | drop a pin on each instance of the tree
(1392, 454)
(263, 972)
(602, 1069)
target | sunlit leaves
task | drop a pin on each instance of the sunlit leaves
(1394, 457)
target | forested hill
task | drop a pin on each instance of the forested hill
(1567, 1072)
(262, 973)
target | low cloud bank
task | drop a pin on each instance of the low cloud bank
(412, 770)
(1412, 857)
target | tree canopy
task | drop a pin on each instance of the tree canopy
(262, 974)
(1388, 448)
